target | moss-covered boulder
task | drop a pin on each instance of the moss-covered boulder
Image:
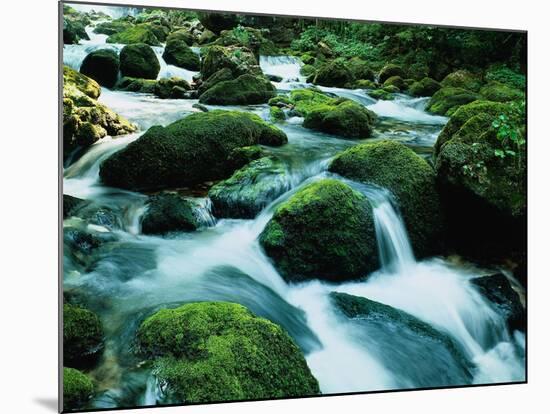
(360, 69)
(410, 179)
(139, 61)
(396, 81)
(178, 53)
(224, 74)
(448, 99)
(77, 389)
(250, 189)
(244, 90)
(381, 94)
(113, 26)
(190, 151)
(334, 73)
(73, 31)
(324, 231)
(250, 38)
(499, 92)
(343, 117)
(168, 212)
(239, 60)
(483, 181)
(424, 87)
(171, 88)
(241, 156)
(141, 33)
(83, 83)
(448, 360)
(499, 292)
(276, 114)
(136, 85)
(216, 22)
(220, 351)
(84, 119)
(101, 65)
(462, 79)
(390, 70)
(82, 337)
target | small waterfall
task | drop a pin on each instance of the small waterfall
(286, 67)
(407, 109)
(168, 71)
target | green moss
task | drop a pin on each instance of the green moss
(217, 351)
(276, 114)
(462, 79)
(463, 114)
(360, 69)
(83, 83)
(396, 81)
(187, 152)
(448, 99)
(178, 53)
(507, 76)
(250, 189)
(390, 70)
(324, 231)
(307, 70)
(410, 179)
(347, 119)
(381, 94)
(239, 157)
(139, 61)
(366, 84)
(499, 92)
(101, 65)
(112, 27)
(167, 212)
(425, 87)
(239, 60)
(140, 33)
(250, 38)
(307, 100)
(171, 88)
(136, 85)
(334, 73)
(82, 336)
(77, 389)
(245, 90)
(280, 100)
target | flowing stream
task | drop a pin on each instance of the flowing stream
(138, 274)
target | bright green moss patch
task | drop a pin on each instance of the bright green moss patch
(499, 92)
(190, 151)
(245, 90)
(140, 33)
(83, 83)
(219, 351)
(462, 79)
(324, 231)
(409, 177)
(178, 53)
(77, 389)
(82, 336)
(346, 118)
(276, 114)
(425, 87)
(448, 99)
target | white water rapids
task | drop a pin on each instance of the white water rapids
(223, 261)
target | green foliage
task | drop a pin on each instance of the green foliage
(218, 351)
(77, 389)
(324, 231)
(507, 76)
(509, 131)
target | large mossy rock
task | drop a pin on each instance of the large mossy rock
(448, 99)
(178, 53)
(462, 79)
(250, 189)
(101, 65)
(83, 83)
(73, 31)
(77, 389)
(390, 70)
(343, 117)
(448, 361)
(424, 87)
(82, 337)
(141, 33)
(190, 151)
(485, 195)
(360, 69)
(239, 60)
(216, 22)
(84, 119)
(499, 92)
(324, 231)
(245, 90)
(334, 73)
(139, 61)
(113, 26)
(171, 88)
(408, 177)
(168, 212)
(499, 292)
(220, 351)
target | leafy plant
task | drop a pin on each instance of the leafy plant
(509, 132)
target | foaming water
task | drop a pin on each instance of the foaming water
(407, 109)
(286, 67)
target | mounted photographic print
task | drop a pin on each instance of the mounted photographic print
(261, 207)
